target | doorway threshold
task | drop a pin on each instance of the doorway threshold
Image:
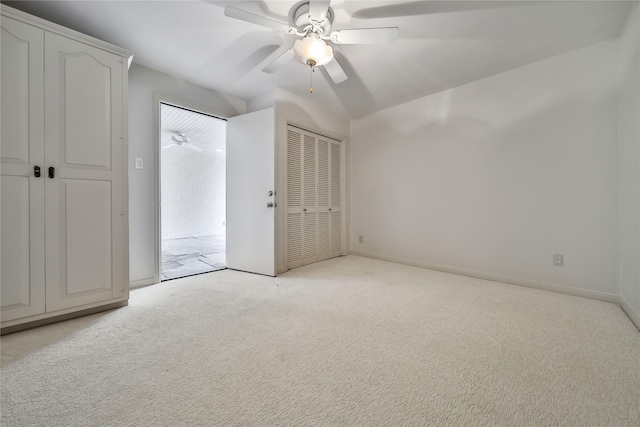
(192, 255)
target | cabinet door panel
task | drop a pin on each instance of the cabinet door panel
(22, 205)
(84, 224)
(88, 236)
(15, 98)
(86, 99)
(82, 271)
(22, 249)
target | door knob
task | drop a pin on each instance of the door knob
(36, 171)
(271, 193)
(52, 172)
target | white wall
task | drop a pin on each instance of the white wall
(193, 192)
(290, 108)
(143, 82)
(498, 175)
(629, 60)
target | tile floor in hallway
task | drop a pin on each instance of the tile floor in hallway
(193, 255)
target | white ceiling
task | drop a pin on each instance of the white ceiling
(206, 134)
(441, 44)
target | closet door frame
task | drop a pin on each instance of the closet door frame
(343, 183)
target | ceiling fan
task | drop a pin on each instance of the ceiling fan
(183, 141)
(311, 20)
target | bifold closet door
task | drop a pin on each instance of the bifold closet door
(329, 200)
(294, 198)
(313, 198)
(309, 200)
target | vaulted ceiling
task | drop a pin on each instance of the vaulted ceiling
(441, 44)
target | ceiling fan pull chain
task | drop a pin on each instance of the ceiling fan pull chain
(312, 70)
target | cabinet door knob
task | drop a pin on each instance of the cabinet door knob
(36, 171)
(52, 172)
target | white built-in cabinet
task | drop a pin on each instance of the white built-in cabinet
(313, 198)
(64, 172)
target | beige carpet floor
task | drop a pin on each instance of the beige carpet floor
(349, 341)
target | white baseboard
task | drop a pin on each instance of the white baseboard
(629, 311)
(140, 283)
(585, 293)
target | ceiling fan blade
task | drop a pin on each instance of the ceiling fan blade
(318, 9)
(416, 8)
(387, 35)
(335, 71)
(279, 62)
(242, 15)
(166, 147)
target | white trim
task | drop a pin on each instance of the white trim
(126, 266)
(162, 98)
(585, 293)
(630, 312)
(307, 127)
(342, 141)
(343, 190)
(285, 196)
(142, 282)
(70, 313)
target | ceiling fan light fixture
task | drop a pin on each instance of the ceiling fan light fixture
(312, 50)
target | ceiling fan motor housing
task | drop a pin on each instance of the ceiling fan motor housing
(299, 18)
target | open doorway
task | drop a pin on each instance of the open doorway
(193, 192)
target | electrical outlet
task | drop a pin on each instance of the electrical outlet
(558, 259)
(139, 162)
(360, 239)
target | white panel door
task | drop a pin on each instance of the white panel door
(250, 178)
(22, 149)
(84, 222)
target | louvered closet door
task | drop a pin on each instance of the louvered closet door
(294, 198)
(329, 200)
(314, 215)
(310, 201)
(335, 199)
